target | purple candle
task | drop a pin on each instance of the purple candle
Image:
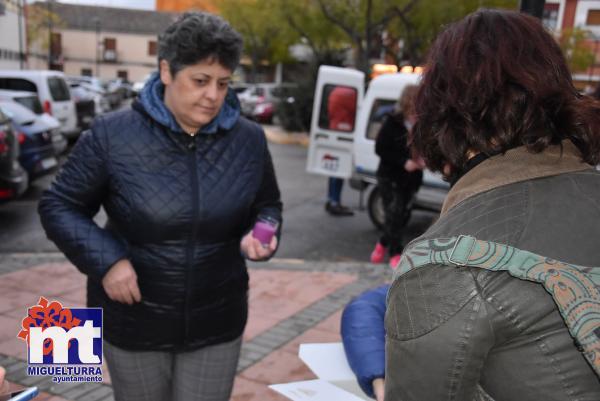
(264, 231)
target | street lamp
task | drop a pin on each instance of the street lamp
(49, 9)
(98, 25)
(21, 49)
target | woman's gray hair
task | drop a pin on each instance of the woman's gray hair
(198, 36)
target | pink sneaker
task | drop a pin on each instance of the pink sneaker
(378, 253)
(394, 260)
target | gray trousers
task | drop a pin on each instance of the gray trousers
(206, 374)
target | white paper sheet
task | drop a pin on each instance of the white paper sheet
(327, 361)
(314, 390)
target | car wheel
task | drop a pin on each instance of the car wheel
(375, 208)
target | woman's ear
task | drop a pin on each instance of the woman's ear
(165, 72)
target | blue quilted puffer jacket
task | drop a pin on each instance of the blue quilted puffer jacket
(363, 335)
(177, 208)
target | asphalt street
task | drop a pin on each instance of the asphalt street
(309, 233)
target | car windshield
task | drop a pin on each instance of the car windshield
(381, 108)
(58, 89)
(31, 102)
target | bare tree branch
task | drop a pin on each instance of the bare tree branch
(339, 22)
(409, 28)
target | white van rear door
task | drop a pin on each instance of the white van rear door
(336, 106)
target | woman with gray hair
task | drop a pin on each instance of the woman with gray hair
(183, 178)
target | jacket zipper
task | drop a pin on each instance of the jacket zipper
(190, 249)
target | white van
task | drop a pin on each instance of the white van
(52, 91)
(350, 153)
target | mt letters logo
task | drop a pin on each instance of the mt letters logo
(64, 343)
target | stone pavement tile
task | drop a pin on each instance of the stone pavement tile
(277, 306)
(9, 327)
(332, 323)
(21, 311)
(14, 347)
(257, 323)
(76, 297)
(274, 281)
(318, 284)
(48, 397)
(249, 390)
(47, 280)
(276, 295)
(267, 281)
(16, 298)
(13, 387)
(314, 335)
(278, 367)
(288, 292)
(262, 281)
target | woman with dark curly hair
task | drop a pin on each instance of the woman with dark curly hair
(183, 178)
(498, 115)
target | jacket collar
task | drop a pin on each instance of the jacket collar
(515, 165)
(151, 98)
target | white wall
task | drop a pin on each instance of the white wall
(583, 6)
(79, 51)
(9, 34)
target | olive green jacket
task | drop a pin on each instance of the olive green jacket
(451, 331)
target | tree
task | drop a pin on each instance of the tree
(40, 22)
(362, 20)
(266, 39)
(325, 40)
(574, 43)
(414, 22)
(418, 27)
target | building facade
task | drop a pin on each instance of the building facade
(101, 41)
(12, 35)
(562, 15)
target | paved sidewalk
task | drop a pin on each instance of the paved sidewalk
(291, 302)
(278, 135)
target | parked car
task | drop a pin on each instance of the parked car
(85, 106)
(111, 94)
(27, 99)
(52, 91)
(13, 177)
(83, 90)
(240, 87)
(32, 103)
(34, 134)
(263, 112)
(122, 87)
(139, 85)
(260, 101)
(351, 154)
